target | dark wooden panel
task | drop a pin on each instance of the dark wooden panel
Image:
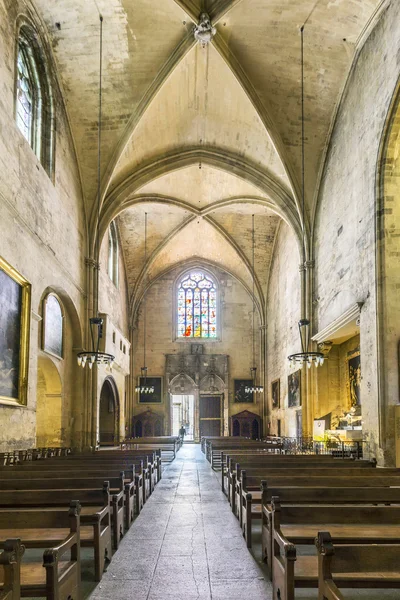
(210, 407)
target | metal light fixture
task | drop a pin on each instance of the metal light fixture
(143, 387)
(94, 356)
(304, 357)
(254, 388)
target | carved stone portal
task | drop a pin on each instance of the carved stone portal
(198, 375)
(204, 31)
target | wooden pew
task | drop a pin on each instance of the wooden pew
(232, 463)
(116, 485)
(214, 449)
(355, 566)
(348, 525)
(168, 445)
(135, 491)
(10, 570)
(95, 516)
(56, 577)
(249, 481)
(317, 495)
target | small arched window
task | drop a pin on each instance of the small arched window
(33, 100)
(53, 320)
(197, 306)
(113, 253)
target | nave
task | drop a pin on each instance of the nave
(185, 544)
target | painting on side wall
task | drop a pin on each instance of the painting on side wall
(14, 335)
(53, 326)
(156, 396)
(276, 393)
(240, 393)
(354, 375)
(294, 389)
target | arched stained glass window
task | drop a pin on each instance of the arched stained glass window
(197, 306)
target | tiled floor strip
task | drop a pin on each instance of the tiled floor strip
(185, 545)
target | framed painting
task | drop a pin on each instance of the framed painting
(15, 301)
(240, 394)
(156, 396)
(53, 327)
(276, 393)
(294, 389)
(354, 378)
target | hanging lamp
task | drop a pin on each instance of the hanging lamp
(254, 388)
(143, 387)
(304, 357)
(95, 356)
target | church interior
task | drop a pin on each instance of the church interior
(199, 268)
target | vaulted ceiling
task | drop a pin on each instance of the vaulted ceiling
(201, 137)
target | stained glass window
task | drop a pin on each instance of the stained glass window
(197, 306)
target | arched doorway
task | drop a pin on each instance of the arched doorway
(109, 414)
(49, 425)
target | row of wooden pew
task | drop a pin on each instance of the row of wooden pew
(214, 446)
(349, 510)
(169, 445)
(65, 503)
(17, 456)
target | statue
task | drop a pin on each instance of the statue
(204, 31)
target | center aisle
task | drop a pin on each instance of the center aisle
(186, 544)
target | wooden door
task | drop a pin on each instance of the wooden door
(210, 415)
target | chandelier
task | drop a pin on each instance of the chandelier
(144, 387)
(254, 388)
(95, 356)
(304, 357)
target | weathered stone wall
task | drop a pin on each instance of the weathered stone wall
(42, 228)
(345, 223)
(236, 313)
(283, 314)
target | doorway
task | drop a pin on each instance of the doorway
(210, 416)
(108, 415)
(183, 415)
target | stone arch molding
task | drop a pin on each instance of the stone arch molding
(388, 273)
(194, 213)
(279, 196)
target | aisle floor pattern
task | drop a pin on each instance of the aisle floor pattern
(186, 544)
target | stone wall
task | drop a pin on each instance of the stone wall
(43, 232)
(345, 243)
(283, 314)
(236, 312)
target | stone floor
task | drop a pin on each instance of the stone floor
(185, 544)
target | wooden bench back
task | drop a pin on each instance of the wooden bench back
(39, 519)
(316, 514)
(298, 495)
(61, 483)
(87, 497)
(63, 472)
(303, 481)
(359, 558)
(303, 470)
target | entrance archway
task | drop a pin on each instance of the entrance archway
(49, 426)
(109, 414)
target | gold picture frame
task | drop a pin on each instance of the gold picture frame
(14, 335)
